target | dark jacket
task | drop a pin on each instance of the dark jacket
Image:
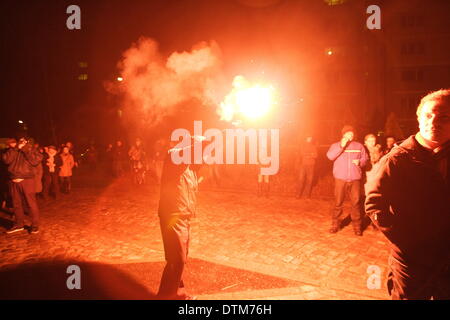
(119, 154)
(408, 198)
(20, 162)
(308, 154)
(343, 167)
(179, 186)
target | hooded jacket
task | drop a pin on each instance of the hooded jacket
(21, 162)
(408, 199)
(343, 167)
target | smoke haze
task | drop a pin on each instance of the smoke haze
(154, 86)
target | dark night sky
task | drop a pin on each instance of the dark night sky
(40, 55)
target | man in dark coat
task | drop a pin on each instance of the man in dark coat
(408, 199)
(308, 156)
(21, 162)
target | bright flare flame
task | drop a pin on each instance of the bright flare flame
(250, 101)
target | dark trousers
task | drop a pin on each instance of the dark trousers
(305, 180)
(175, 234)
(412, 281)
(66, 184)
(341, 187)
(24, 192)
(51, 185)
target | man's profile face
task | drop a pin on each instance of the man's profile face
(349, 135)
(434, 122)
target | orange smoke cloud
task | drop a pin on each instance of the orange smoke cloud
(153, 86)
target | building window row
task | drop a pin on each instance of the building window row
(412, 48)
(412, 75)
(409, 21)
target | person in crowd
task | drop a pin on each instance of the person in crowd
(263, 180)
(92, 156)
(38, 171)
(263, 184)
(374, 151)
(390, 142)
(408, 200)
(349, 157)
(158, 159)
(51, 164)
(20, 161)
(118, 159)
(71, 147)
(108, 159)
(138, 161)
(65, 172)
(307, 157)
(177, 205)
(5, 196)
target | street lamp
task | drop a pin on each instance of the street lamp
(119, 79)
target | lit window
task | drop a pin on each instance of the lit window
(334, 2)
(83, 76)
(82, 64)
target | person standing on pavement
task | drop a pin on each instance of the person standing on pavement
(375, 154)
(349, 158)
(65, 172)
(5, 195)
(21, 162)
(51, 164)
(177, 205)
(39, 172)
(308, 156)
(138, 160)
(409, 201)
(118, 158)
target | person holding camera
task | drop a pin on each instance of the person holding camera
(21, 161)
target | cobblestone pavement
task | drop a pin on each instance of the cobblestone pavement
(280, 236)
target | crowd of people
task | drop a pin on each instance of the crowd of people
(407, 197)
(405, 187)
(29, 171)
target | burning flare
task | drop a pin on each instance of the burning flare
(250, 101)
